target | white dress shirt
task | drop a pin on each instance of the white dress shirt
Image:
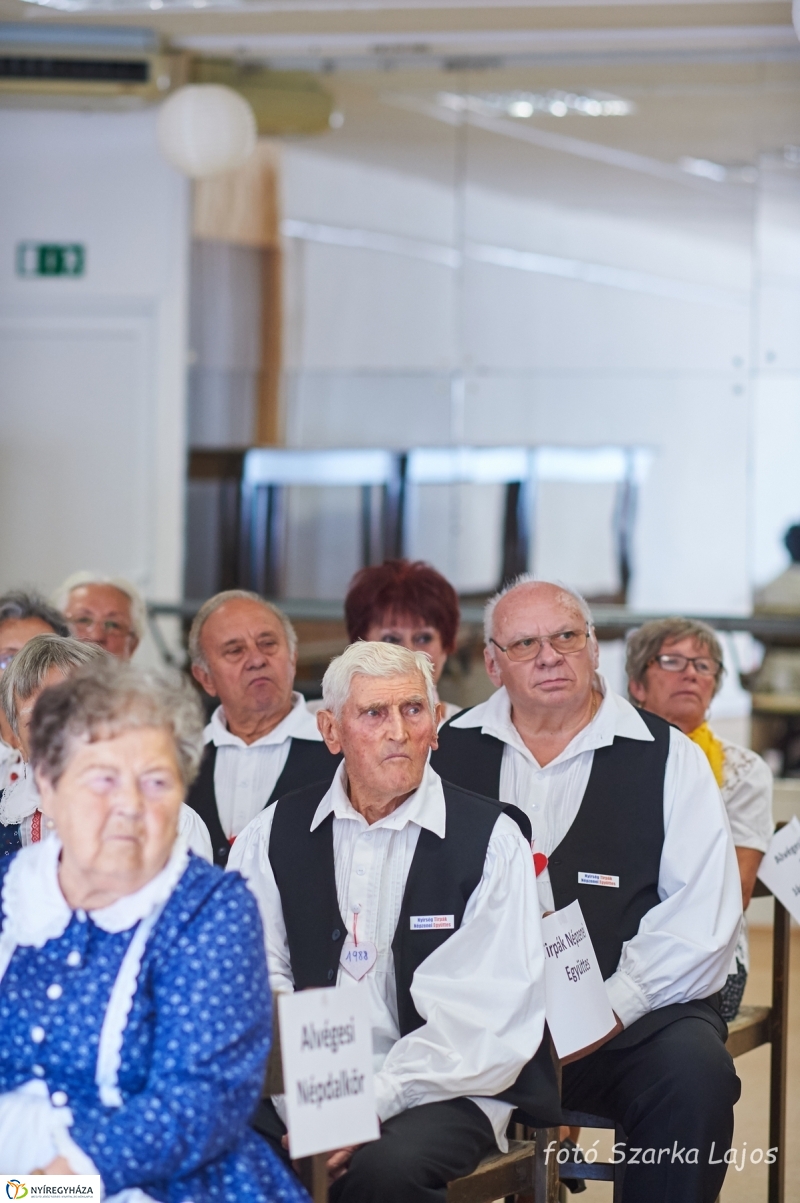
(684, 947)
(10, 760)
(747, 794)
(481, 992)
(246, 774)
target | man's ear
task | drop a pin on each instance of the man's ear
(329, 730)
(438, 718)
(491, 667)
(638, 691)
(204, 678)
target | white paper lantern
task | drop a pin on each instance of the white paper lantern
(204, 129)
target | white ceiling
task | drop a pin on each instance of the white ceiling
(715, 80)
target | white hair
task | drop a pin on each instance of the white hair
(527, 578)
(374, 659)
(138, 608)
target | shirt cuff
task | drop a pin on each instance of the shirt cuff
(389, 1099)
(627, 1000)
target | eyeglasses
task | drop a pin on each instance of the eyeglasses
(704, 666)
(85, 624)
(562, 642)
(5, 660)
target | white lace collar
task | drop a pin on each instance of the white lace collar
(35, 910)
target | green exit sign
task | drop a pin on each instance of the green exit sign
(51, 259)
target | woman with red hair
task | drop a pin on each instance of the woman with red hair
(405, 602)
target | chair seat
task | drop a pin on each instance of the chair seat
(498, 1175)
(750, 1028)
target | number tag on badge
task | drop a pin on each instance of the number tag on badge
(359, 958)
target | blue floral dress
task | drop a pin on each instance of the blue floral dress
(136, 1036)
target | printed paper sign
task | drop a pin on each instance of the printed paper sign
(50, 1186)
(326, 1049)
(780, 868)
(576, 1003)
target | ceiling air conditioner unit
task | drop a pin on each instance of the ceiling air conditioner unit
(85, 66)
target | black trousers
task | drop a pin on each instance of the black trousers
(418, 1153)
(673, 1093)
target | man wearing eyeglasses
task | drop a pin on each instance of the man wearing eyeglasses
(627, 819)
(108, 611)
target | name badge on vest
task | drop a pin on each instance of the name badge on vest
(432, 922)
(598, 879)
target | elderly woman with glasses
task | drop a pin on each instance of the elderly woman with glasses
(675, 668)
(134, 997)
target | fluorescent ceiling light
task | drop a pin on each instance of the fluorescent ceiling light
(553, 103)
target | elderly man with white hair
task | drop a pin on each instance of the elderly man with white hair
(627, 819)
(105, 610)
(372, 860)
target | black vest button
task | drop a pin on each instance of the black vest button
(330, 975)
(337, 935)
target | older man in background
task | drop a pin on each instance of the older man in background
(261, 741)
(627, 819)
(457, 1009)
(108, 611)
(22, 615)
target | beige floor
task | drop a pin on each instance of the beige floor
(750, 1184)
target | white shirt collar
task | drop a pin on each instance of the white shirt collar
(425, 807)
(35, 910)
(299, 723)
(615, 717)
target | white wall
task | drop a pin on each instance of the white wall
(92, 370)
(776, 418)
(373, 340)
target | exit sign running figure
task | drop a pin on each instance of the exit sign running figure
(50, 259)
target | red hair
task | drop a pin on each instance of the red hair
(400, 588)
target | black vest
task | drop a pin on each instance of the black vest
(618, 830)
(308, 761)
(442, 877)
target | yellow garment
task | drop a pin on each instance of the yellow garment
(705, 739)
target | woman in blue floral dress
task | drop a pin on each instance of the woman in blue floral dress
(134, 997)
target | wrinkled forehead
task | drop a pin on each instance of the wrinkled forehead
(536, 610)
(15, 632)
(366, 690)
(106, 598)
(242, 619)
(688, 645)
